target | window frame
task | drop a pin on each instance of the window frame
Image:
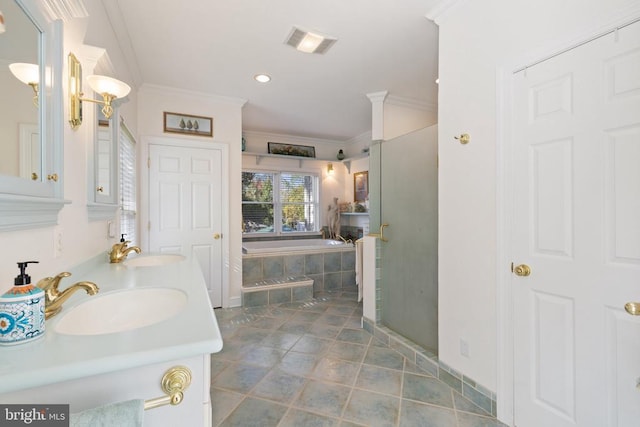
(278, 204)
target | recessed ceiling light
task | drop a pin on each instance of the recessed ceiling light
(308, 42)
(262, 78)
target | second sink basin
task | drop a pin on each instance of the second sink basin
(120, 311)
(153, 260)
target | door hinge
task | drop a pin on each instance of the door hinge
(149, 225)
(148, 162)
(512, 267)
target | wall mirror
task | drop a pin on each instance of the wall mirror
(30, 132)
(102, 154)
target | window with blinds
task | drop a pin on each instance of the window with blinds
(283, 202)
(127, 155)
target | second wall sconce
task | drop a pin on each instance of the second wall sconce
(107, 87)
(330, 169)
(28, 74)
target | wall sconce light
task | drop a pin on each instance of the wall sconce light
(107, 87)
(330, 169)
(28, 74)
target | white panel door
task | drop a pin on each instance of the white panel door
(577, 226)
(185, 208)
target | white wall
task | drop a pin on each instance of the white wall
(80, 239)
(475, 39)
(402, 117)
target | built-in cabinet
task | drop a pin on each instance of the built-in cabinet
(142, 382)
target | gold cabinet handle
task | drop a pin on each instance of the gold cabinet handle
(100, 189)
(53, 177)
(217, 236)
(34, 176)
(633, 308)
(522, 270)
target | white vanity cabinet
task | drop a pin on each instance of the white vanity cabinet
(136, 383)
(88, 369)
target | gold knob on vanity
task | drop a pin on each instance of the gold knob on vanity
(53, 177)
(217, 236)
(34, 176)
(100, 189)
(522, 270)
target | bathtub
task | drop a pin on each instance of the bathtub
(301, 245)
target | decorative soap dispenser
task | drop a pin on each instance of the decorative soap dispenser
(22, 310)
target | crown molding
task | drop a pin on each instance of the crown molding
(377, 96)
(63, 9)
(239, 102)
(415, 104)
(439, 11)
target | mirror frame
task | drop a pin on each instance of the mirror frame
(26, 204)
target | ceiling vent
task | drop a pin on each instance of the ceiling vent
(308, 42)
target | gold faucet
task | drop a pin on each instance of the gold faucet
(53, 298)
(119, 251)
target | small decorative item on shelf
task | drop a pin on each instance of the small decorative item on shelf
(340, 155)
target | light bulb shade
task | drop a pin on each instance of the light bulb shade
(26, 73)
(104, 84)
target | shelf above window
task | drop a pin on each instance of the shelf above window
(301, 160)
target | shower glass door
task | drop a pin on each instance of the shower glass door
(408, 189)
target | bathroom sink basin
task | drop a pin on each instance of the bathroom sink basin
(153, 260)
(120, 311)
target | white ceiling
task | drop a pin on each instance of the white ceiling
(217, 46)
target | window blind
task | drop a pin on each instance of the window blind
(128, 205)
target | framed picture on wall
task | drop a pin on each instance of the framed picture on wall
(360, 186)
(188, 124)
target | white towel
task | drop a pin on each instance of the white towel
(121, 414)
(359, 244)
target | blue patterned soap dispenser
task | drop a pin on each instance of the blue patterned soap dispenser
(22, 310)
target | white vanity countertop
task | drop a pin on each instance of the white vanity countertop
(57, 357)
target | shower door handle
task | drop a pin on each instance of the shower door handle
(380, 235)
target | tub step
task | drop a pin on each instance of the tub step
(277, 291)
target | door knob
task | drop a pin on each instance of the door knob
(522, 270)
(633, 308)
(217, 236)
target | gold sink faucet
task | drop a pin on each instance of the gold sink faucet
(119, 251)
(53, 298)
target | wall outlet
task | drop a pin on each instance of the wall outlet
(57, 242)
(464, 348)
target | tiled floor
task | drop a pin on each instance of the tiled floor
(310, 364)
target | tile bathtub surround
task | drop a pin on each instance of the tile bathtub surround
(311, 364)
(330, 271)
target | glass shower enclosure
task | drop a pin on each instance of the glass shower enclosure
(404, 179)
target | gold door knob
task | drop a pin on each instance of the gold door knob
(633, 308)
(217, 236)
(522, 270)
